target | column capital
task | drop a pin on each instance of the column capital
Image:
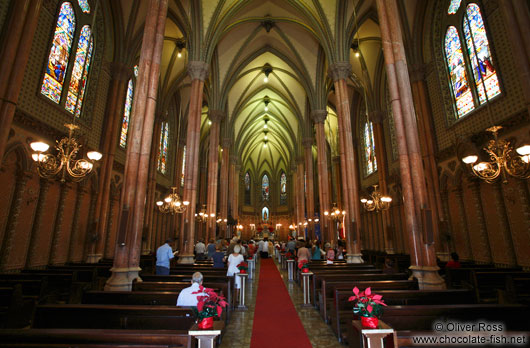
(339, 71)
(216, 115)
(238, 168)
(182, 142)
(300, 160)
(319, 116)
(336, 159)
(376, 116)
(198, 70)
(293, 167)
(120, 71)
(226, 142)
(307, 142)
(417, 72)
(233, 159)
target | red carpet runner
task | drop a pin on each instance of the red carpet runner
(276, 323)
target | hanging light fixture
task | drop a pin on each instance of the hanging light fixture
(172, 204)
(376, 201)
(267, 69)
(266, 101)
(503, 161)
(181, 44)
(336, 214)
(64, 163)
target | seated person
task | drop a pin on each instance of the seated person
(388, 267)
(218, 257)
(187, 298)
(454, 263)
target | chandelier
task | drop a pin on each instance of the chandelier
(502, 160)
(64, 163)
(203, 216)
(172, 203)
(336, 214)
(376, 201)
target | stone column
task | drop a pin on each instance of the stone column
(216, 116)
(296, 190)
(223, 194)
(339, 72)
(114, 114)
(464, 229)
(13, 219)
(15, 54)
(198, 72)
(235, 205)
(319, 117)
(301, 191)
(426, 132)
(57, 231)
(107, 253)
(376, 117)
(233, 182)
(37, 221)
(202, 231)
(335, 172)
(423, 258)
(504, 224)
(74, 235)
(481, 220)
(128, 249)
(310, 194)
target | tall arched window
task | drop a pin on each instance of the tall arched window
(57, 64)
(247, 189)
(183, 166)
(265, 188)
(127, 110)
(164, 142)
(369, 148)
(283, 189)
(476, 61)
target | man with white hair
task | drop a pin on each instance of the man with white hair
(187, 298)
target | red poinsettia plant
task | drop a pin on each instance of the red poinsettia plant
(367, 304)
(243, 267)
(303, 266)
(289, 255)
(209, 303)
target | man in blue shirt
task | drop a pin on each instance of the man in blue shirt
(163, 254)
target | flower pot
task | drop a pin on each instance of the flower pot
(305, 270)
(206, 323)
(242, 271)
(369, 322)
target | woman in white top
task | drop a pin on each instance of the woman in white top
(234, 260)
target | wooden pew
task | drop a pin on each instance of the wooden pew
(94, 338)
(15, 309)
(341, 313)
(487, 283)
(422, 318)
(455, 276)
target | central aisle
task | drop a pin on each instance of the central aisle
(276, 322)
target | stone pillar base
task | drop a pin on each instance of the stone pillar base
(119, 280)
(428, 277)
(354, 258)
(146, 252)
(444, 256)
(134, 274)
(186, 259)
(389, 251)
(93, 258)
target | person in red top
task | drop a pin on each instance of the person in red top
(454, 263)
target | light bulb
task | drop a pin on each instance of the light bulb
(186, 203)
(167, 199)
(209, 123)
(480, 167)
(364, 200)
(470, 159)
(94, 155)
(266, 108)
(38, 157)
(265, 79)
(178, 204)
(265, 145)
(523, 150)
(266, 138)
(159, 203)
(179, 55)
(357, 54)
(39, 146)
(265, 126)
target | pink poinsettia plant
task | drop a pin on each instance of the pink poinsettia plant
(367, 304)
(303, 266)
(209, 303)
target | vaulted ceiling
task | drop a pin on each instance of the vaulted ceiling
(293, 41)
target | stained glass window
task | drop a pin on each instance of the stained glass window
(135, 69)
(369, 148)
(164, 140)
(85, 7)
(457, 72)
(480, 54)
(283, 189)
(183, 166)
(453, 6)
(80, 72)
(265, 214)
(52, 85)
(126, 114)
(247, 188)
(265, 187)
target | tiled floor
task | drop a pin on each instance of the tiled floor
(239, 330)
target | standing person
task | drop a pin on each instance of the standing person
(251, 248)
(291, 245)
(340, 251)
(330, 254)
(164, 253)
(304, 253)
(316, 252)
(211, 248)
(264, 249)
(234, 260)
(200, 249)
(218, 257)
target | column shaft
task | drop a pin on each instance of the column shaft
(57, 231)
(213, 170)
(223, 195)
(37, 222)
(322, 164)
(74, 236)
(310, 194)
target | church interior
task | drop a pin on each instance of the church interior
(394, 133)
